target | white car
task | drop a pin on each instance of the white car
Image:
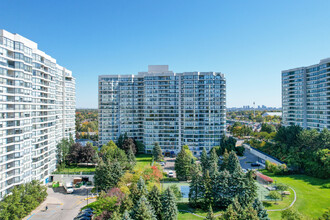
(170, 174)
(162, 163)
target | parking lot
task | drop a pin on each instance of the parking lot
(61, 205)
(247, 160)
(169, 165)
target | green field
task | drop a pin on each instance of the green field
(143, 160)
(186, 215)
(75, 169)
(312, 199)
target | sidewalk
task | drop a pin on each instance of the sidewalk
(48, 201)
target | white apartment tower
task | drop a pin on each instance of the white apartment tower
(37, 109)
(306, 96)
(173, 109)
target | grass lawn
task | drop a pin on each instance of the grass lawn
(186, 215)
(143, 160)
(75, 169)
(312, 199)
(280, 204)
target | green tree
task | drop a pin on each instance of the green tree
(157, 152)
(126, 216)
(62, 150)
(291, 214)
(128, 144)
(261, 211)
(210, 215)
(183, 165)
(204, 160)
(111, 152)
(143, 210)
(196, 189)
(177, 192)
(121, 140)
(267, 128)
(274, 195)
(208, 193)
(131, 158)
(107, 174)
(225, 161)
(213, 161)
(140, 147)
(154, 197)
(169, 207)
(142, 187)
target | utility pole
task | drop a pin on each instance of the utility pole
(254, 109)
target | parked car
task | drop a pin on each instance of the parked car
(82, 218)
(68, 188)
(256, 164)
(85, 214)
(170, 174)
(162, 163)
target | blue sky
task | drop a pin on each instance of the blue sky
(250, 41)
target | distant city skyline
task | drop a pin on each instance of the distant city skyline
(250, 42)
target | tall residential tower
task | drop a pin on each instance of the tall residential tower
(306, 96)
(173, 109)
(37, 109)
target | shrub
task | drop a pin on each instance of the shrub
(282, 187)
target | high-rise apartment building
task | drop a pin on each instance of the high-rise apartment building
(173, 109)
(37, 109)
(306, 96)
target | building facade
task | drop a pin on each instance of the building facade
(173, 109)
(306, 96)
(37, 109)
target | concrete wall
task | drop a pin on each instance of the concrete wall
(65, 178)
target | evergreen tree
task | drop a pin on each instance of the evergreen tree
(183, 165)
(208, 193)
(210, 215)
(121, 140)
(230, 214)
(126, 204)
(204, 160)
(154, 197)
(141, 186)
(107, 175)
(247, 189)
(225, 160)
(126, 216)
(131, 158)
(134, 193)
(249, 213)
(143, 210)
(223, 194)
(213, 163)
(169, 207)
(139, 147)
(262, 212)
(157, 152)
(196, 189)
(234, 165)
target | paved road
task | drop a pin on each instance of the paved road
(61, 205)
(169, 165)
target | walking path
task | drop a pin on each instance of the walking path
(294, 200)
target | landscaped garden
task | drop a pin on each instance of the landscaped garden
(312, 198)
